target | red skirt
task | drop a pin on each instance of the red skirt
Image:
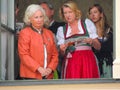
(82, 64)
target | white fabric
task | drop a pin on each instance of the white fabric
(89, 25)
(79, 27)
(91, 28)
(51, 23)
(45, 57)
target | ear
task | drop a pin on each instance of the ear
(52, 12)
(30, 19)
(101, 15)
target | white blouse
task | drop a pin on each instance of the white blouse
(89, 25)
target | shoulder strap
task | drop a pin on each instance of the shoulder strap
(85, 27)
(64, 28)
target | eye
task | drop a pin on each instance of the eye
(36, 17)
(65, 12)
(41, 16)
(70, 12)
(90, 13)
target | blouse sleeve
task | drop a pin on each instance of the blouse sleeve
(60, 36)
(91, 28)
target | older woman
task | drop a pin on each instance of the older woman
(36, 46)
(75, 40)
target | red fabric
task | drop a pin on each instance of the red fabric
(82, 65)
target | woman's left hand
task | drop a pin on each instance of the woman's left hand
(88, 40)
(48, 71)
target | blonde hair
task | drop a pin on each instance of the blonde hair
(31, 9)
(73, 6)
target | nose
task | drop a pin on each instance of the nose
(39, 19)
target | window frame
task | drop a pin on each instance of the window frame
(60, 81)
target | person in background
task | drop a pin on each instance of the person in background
(105, 36)
(53, 26)
(18, 27)
(16, 10)
(75, 40)
(37, 59)
(48, 7)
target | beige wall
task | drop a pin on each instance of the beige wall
(97, 86)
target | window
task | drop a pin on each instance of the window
(7, 47)
(7, 39)
(7, 13)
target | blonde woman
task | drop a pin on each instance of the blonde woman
(76, 40)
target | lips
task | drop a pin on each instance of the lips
(69, 19)
(93, 19)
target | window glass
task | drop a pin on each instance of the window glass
(7, 13)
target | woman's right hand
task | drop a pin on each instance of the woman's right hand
(63, 47)
(42, 71)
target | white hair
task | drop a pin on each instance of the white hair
(31, 9)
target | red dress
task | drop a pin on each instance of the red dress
(81, 62)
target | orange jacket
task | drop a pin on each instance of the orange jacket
(31, 52)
